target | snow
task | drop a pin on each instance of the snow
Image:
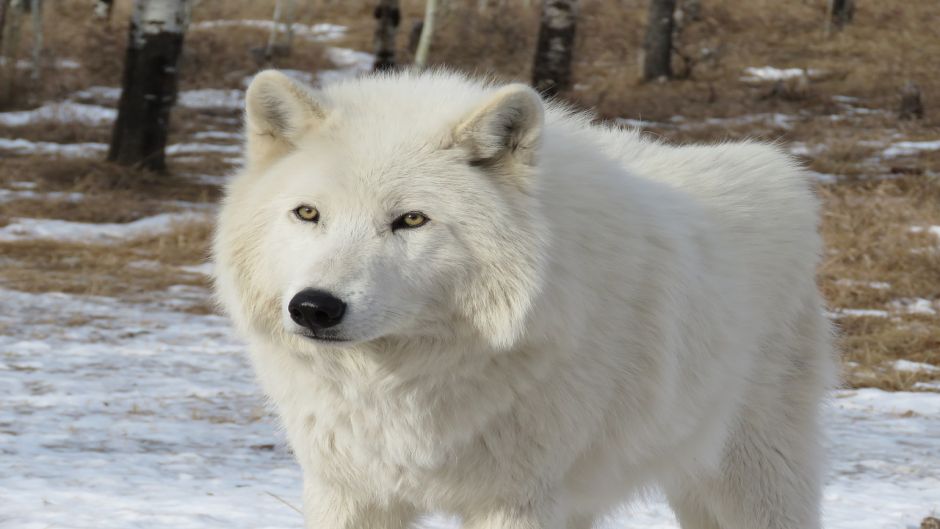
(218, 135)
(21, 146)
(769, 73)
(188, 148)
(351, 63)
(7, 195)
(63, 112)
(933, 230)
(318, 32)
(906, 148)
(877, 285)
(212, 98)
(68, 231)
(118, 414)
(914, 367)
(914, 306)
(871, 313)
(110, 94)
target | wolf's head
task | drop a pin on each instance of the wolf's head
(391, 206)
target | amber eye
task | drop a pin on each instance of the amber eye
(307, 213)
(412, 219)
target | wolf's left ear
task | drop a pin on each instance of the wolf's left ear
(278, 111)
(507, 126)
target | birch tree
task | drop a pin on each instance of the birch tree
(657, 48)
(427, 32)
(551, 71)
(388, 16)
(149, 85)
(36, 12)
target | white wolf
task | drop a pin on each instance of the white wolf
(464, 299)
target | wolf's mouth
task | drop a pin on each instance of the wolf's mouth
(323, 337)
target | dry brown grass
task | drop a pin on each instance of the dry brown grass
(867, 214)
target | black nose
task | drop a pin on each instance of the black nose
(316, 309)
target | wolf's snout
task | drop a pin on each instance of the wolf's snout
(316, 309)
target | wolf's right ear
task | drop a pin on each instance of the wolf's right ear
(508, 126)
(278, 111)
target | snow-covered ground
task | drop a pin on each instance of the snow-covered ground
(134, 414)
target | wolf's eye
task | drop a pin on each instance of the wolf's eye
(307, 213)
(412, 219)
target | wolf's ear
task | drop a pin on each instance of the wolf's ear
(278, 111)
(508, 124)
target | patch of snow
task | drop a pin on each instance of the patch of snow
(914, 306)
(300, 76)
(189, 148)
(824, 178)
(109, 94)
(212, 98)
(202, 268)
(914, 367)
(859, 313)
(71, 150)
(877, 285)
(7, 195)
(351, 63)
(906, 148)
(933, 230)
(769, 73)
(85, 232)
(318, 32)
(59, 63)
(218, 135)
(845, 99)
(63, 112)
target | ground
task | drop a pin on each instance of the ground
(125, 400)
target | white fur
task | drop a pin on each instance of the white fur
(588, 313)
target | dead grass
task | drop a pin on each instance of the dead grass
(132, 270)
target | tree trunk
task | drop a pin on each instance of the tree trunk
(427, 32)
(36, 8)
(912, 106)
(387, 17)
(840, 14)
(10, 52)
(149, 86)
(275, 26)
(551, 71)
(657, 56)
(290, 12)
(4, 4)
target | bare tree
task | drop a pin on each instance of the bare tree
(427, 32)
(551, 70)
(657, 48)
(149, 86)
(387, 17)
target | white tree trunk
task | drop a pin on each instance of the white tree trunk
(275, 26)
(427, 32)
(36, 8)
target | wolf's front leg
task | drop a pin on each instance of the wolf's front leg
(542, 515)
(325, 508)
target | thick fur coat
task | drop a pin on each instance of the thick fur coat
(574, 314)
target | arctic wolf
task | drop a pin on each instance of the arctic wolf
(464, 299)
